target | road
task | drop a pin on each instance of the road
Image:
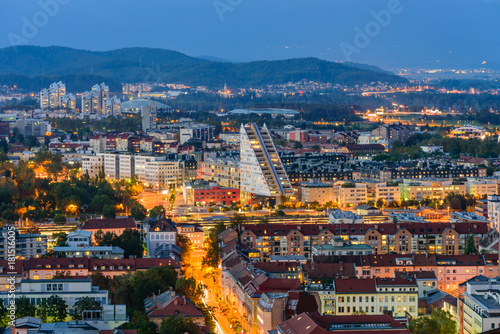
(194, 269)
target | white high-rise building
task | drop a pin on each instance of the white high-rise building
(152, 170)
(494, 211)
(262, 172)
(68, 101)
(55, 97)
(149, 115)
(113, 106)
(94, 102)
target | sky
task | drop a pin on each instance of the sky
(386, 33)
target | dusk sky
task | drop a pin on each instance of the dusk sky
(426, 33)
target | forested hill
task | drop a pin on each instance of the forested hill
(147, 64)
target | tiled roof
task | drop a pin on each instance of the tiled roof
(176, 306)
(109, 223)
(355, 285)
(395, 281)
(326, 270)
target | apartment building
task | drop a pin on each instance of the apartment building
(225, 172)
(350, 194)
(393, 132)
(27, 245)
(438, 171)
(262, 172)
(55, 97)
(480, 188)
(158, 234)
(376, 296)
(95, 100)
(432, 189)
(69, 290)
(202, 132)
(314, 323)
(450, 270)
(163, 174)
(315, 191)
(47, 268)
(402, 238)
(494, 211)
(33, 127)
(112, 225)
(204, 193)
(193, 232)
(150, 169)
(479, 306)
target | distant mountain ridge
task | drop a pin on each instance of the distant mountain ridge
(147, 64)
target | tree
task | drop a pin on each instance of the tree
(4, 320)
(156, 211)
(138, 211)
(297, 145)
(108, 211)
(470, 246)
(57, 308)
(61, 239)
(130, 242)
(60, 218)
(237, 219)
(61, 274)
(189, 288)
(439, 322)
(85, 304)
(212, 248)
(178, 325)
(381, 203)
(103, 282)
(42, 310)
(24, 308)
(131, 290)
(141, 322)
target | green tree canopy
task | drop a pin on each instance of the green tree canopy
(178, 325)
(439, 322)
(138, 211)
(85, 304)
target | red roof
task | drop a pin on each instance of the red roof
(277, 267)
(109, 223)
(355, 285)
(362, 229)
(176, 306)
(314, 323)
(6, 270)
(395, 281)
(426, 274)
(327, 270)
(56, 263)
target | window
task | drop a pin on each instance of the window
(36, 276)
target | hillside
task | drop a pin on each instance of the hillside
(147, 64)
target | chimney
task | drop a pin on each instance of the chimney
(184, 300)
(154, 297)
(172, 292)
(158, 305)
